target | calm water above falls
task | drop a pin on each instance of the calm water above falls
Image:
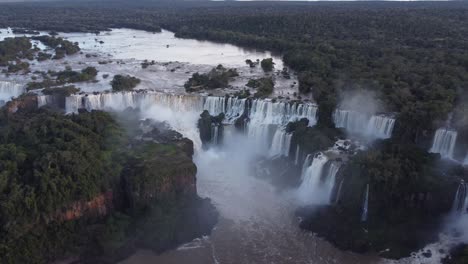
(165, 47)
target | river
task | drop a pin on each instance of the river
(257, 223)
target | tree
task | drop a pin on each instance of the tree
(124, 83)
(267, 64)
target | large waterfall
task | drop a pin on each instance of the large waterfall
(318, 179)
(10, 89)
(280, 113)
(121, 101)
(377, 126)
(266, 119)
(444, 142)
(261, 111)
(460, 202)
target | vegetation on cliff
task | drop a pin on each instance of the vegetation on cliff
(77, 185)
(407, 201)
(206, 125)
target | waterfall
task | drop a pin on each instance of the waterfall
(338, 193)
(214, 105)
(460, 202)
(44, 100)
(377, 126)
(235, 108)
(444, 142)
(281, 143)
(350, 120)
(264, 125)
(122, 100)
(380, 126)
(330, 180)
(9, 90)
(365, 207)
(280, 113)
(296, 159)
(306, 164)
(465, 161)
(214, 134)
(315, 188)
(261, 136)
(263, 112)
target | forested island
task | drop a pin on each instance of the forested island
(393, 192)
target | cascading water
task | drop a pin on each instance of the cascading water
(352, 121)
(215, 105)
(296, 158)
(281, 113)
(234, 109)
(267, 118)
(377, 126)
(444, 142)
(460, 202)
(314, 188)
(265, 123)
(330, 179)
(365, 206)
(121, 101)
(380, 126)
(9, 90)
(215, 134)
(281, 143)
(338, 193)
(307, 162)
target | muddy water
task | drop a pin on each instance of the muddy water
(257, 224)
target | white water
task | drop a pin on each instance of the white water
(296, 158)
(380, 126)
(460, 201)
(265, 127)
(257, 224)
(280, 113)
(9, 90)
(365, 206)
(444, 142)
(314, 189)
(376, 126)
(215, 134)
(338, 193)
(281, 143)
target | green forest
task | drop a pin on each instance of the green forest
(78, 185)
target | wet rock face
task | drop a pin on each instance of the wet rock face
(26, 102)
(211, 128)
(311, 139)
(99, 206)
